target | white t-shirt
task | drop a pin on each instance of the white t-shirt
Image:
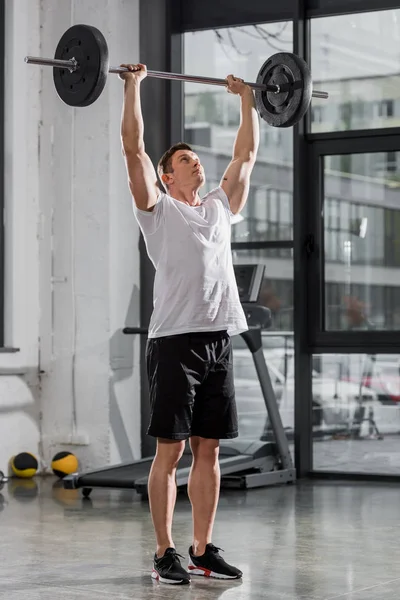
(190, 247)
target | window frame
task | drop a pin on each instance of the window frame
(320, 340)
(190, 15)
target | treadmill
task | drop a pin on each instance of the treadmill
(244, 463)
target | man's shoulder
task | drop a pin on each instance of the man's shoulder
(214, 195)
(217, 194)
(166, 198)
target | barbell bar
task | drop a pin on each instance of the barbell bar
(73, 65)
(283, 89)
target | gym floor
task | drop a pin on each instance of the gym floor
(312, 541)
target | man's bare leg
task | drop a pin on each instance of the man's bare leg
(162, 490)
(203, 490)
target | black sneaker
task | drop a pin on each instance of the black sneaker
(211, 564)
(168, 568)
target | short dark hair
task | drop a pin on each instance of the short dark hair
(165, 162)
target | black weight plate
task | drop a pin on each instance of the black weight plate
(88, 46)
(286, 108)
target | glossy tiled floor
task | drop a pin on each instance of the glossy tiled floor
(311, 542)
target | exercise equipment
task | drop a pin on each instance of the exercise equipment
(88, 48)
(24, 465)
(292, 75)
(64, 463)
(244, 463)
(283, 89)
(3, 480)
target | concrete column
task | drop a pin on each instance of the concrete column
(95, 262)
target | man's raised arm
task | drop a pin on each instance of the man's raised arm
(236, 179)
(141, 173)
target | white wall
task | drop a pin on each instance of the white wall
(72, 261)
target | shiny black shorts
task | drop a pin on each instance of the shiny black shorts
(191, 386)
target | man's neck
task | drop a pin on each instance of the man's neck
(190, 196)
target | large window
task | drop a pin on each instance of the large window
(356, 59)
(356, 396)
(212, 119)
(362, 242)
(331, 243)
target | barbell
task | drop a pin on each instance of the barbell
(283, 89)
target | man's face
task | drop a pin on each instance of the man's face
(186, 170)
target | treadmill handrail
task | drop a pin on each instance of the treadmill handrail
(132, 330)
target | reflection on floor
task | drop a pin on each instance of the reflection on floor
(320, 541)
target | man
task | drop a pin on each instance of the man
(196, 310)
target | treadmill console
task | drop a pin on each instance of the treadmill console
(249, 279)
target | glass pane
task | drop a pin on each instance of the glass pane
(212, 119)
(277, 294)
(356, 413)
(356, 59)
(362, 242)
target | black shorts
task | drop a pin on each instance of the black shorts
(191, 386)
